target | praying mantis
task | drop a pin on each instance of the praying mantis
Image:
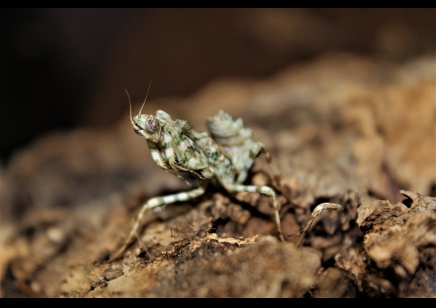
(223, 158)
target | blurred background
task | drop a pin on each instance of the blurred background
(64, 68)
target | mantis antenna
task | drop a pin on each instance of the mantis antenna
(139, 115)
(130, 106)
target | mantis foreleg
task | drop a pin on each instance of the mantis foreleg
(155, 203)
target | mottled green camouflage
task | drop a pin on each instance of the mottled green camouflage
(223, 158)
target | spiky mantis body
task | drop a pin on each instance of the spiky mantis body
(223, 158)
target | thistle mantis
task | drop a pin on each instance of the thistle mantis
(224, 158)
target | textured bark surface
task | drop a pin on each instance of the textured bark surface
(398, 255)
(341, 129)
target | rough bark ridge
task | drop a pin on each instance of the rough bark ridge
(341, 129)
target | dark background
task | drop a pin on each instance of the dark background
(63, 68)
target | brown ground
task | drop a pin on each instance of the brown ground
(341, 129)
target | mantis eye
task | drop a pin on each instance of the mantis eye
(151, 124)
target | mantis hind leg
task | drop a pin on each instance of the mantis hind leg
(315, 213)
(255, 151)
(265, 190)
(158, 203)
